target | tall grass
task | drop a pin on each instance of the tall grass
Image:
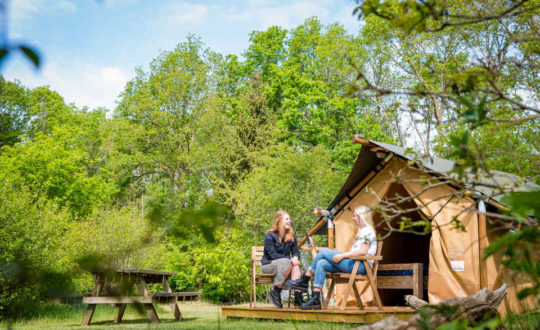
(530, 320)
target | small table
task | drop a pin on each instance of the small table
(130, 277)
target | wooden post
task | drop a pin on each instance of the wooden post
(482, 243)
(330, 234)
(373, 284)
(92, 307)
(174, 304)
(120, 313)
(313, 251)
(150, 310)
(350, 284)
(312, 231)
(418, 280)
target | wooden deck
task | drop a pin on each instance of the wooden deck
(352, 315)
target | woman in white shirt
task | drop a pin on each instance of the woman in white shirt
(365, 244)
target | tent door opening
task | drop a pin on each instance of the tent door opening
(411, 246)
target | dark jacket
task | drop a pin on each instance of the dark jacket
(274, 250)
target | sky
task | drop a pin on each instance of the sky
(90, 48)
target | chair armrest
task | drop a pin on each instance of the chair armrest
(366, 258)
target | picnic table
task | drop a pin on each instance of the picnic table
(118, 284)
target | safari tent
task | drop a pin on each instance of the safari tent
(451, 258)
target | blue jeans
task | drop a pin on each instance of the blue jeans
(323, 263)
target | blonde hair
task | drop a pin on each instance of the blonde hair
(277, 226)
(364, 213)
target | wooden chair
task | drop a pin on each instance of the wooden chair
(350, 279)
(259, 277)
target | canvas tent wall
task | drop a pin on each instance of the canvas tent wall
(453, 256)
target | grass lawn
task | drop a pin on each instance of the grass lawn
(197, 315)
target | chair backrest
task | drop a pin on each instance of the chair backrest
(378, 254)
(257, 254)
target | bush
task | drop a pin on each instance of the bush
(31, 262)
(220, 269)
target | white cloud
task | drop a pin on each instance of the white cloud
(112, 75)
(346, 18)
(264, 14)
(66, 5)
(238, 17)
(119, 3)
(22, 9)
(21, 12)
(185, 13)
(84, 84)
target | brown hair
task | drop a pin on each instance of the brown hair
(277, 226)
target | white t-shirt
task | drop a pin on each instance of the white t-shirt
(366, 235)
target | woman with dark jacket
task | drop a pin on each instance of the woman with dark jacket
(281, 256)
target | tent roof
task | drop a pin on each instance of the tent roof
(368, 159)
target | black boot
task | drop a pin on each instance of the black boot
(298, 299)
(314, 302)
(275, 296)
(299, 284)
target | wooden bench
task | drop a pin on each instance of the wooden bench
(189, 295)
(257, 253)
(151, 298)
(132, 277)
(414, 282)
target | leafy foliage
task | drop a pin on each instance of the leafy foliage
(186, 173)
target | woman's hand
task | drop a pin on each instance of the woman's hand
(295, 261)
(338, 257)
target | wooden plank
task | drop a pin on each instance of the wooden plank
(398, 266)
(344, 201)
(395, 282)
(145, 272)
(362, 183)
(89, 313)
(132, 272)
(174, 305)
(349, 284)
(313, 230)
(330, 293)
(366, 258)
(176, 294)
(313, 251)
(151, 313)
(373, 285)
(357, 296)
(117, 300)
(120, 313)
(366, 316)
(362, 141)
(482, 243)
(418, 276)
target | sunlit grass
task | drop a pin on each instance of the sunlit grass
(197, 315)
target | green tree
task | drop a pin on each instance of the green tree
(288, 179)
(14, 112)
